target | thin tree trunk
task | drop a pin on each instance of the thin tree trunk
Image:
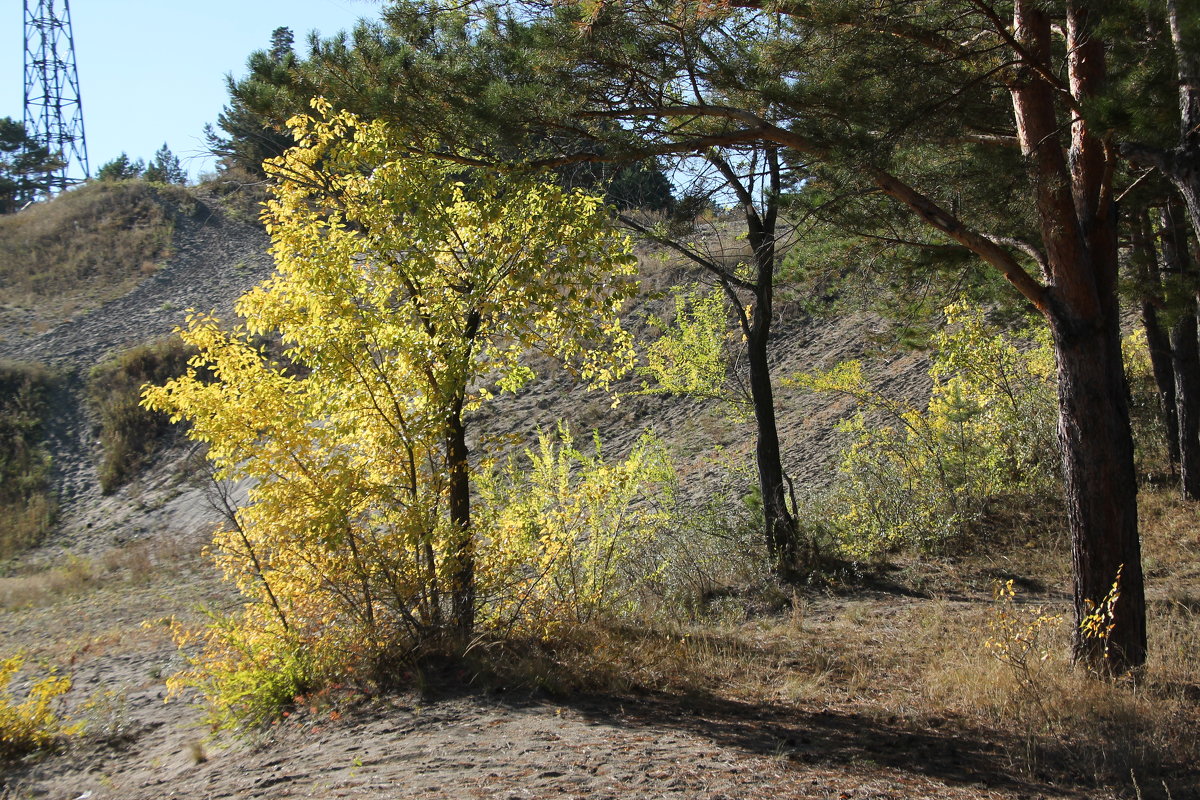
(779, 524)
(782, 536)
(1181, 166)
(462, 581)
(462, 547)
(1187, 157)
(1185, 363)
(1158, 342)
(1185, 354)
(1186, 179)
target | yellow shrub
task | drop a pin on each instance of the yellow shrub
(927, 476)
(34, 722)
(567, 534)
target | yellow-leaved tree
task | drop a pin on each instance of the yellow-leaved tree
(408, 292)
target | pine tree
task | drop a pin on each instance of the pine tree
(121, 168)
(282, 41)
(247, 136)
(25, 166)
(165, 168)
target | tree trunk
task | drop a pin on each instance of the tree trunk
(1101, 491)
(1186, 175)
(782, 536)
(1159, 344)
(779, 524)
(1076, 212)
(1185, 354)
(1185, 362)
(1181, 166)
(462, 581)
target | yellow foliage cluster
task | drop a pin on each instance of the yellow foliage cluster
(1021, 638)
(925, 476)
(691, 358)
(407, 293)
(1018, 636)
(34, 722)
(1101, 618)
(567, 532)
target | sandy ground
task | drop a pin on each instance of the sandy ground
(488, 743)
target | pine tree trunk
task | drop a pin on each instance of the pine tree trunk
(1158, 341)
(1077, 216)
(1159, 344)
(1101, 491)
(1185, 363)
(1185, 354)
(1186, 172)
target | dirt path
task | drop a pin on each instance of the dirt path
(481, 748)
(493, 745)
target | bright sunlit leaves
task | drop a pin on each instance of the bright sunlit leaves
(408, 292)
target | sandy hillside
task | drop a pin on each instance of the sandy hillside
(119, 561)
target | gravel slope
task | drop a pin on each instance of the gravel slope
(216, 259)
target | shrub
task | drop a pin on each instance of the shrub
(33, 723)
(26, 506)
(130, 433)
(406, 299)
(248, 668)
(931, 476)
(567, 535)
(711, 556)
(692, 356)
(560, 545)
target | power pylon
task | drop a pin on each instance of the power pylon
(53, 110)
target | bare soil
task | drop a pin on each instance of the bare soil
(462, 742)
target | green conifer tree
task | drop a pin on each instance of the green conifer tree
(25, 166)
(121, 168)
(165, 168)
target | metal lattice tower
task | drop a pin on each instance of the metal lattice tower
(53, 111)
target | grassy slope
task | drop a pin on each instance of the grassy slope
(91, 244)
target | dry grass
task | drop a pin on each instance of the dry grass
(897, 660)
(134, 564)
(129, 433)
(1170, 541)
(47, 586)
(118, 233)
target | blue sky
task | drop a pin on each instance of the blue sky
(152, 71)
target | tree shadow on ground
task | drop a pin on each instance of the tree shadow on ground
(828, 737)
(951, 750)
